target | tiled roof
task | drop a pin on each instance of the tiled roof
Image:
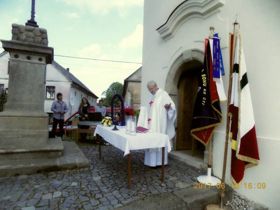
(134, 76)
(68, 75)
(3, 53)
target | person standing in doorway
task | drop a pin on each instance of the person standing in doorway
(161, 119)
(59, 108)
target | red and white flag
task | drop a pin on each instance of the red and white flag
(243, 136)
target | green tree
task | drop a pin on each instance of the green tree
(114, 88)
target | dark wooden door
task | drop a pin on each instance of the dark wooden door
(187, 90)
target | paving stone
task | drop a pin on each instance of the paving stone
(43, 208)
(74, 184)
(54, 204)
(96, 178)
(182, 185)
(56, 183)
(28, 208)
(33, 201)
(97, 196)
(83, 198)
(118, 205)
(43, 202)
(67, 203)
(37, 195)
(16, 196)
(94, 202)
(57, 194)
(114, 202)
(47, 196)
(87, 207)
(6, 197)
(102, 186)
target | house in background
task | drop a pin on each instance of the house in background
(62, 80)
(4, 58)
(132, 89)
(58, 79)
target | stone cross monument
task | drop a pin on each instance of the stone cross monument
(23, 119)
(32, 21)
(24, 143)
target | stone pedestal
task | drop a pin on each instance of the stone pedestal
(23, 123)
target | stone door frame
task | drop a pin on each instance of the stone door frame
(175, 72)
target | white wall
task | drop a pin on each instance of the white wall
(71, 95)
(62, 85)
(4, 70)
(53, 78)
(76, 97)
(260, 29)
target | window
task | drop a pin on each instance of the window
(50, 92)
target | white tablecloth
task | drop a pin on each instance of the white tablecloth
(126, 142)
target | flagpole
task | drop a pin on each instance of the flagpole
(209, 179)
(232, 52)
(223, 185)
(210, 144)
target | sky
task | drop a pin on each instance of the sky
(98, 29)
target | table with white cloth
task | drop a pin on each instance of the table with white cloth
(127, 142)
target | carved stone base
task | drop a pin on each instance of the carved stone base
(38, 161)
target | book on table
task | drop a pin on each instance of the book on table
(140, 129)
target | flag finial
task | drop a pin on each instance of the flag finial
(236, 18)
(236, 27)
(212, 31)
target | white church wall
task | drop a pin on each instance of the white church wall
(260, 30)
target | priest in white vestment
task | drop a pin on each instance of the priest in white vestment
(161, 118)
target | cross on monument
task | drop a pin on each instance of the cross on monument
(32, 21)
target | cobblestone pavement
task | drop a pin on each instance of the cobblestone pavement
(102, 186)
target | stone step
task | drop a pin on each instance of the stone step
(72, 158)
(187, 198)
(186, 157)
(198, 199)
(51, 149)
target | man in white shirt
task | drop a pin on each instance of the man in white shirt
(161, 118)
(100, 108)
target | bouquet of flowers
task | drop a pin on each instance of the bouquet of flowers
(129, 111)
(106, 121)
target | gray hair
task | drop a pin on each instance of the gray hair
(151, 83)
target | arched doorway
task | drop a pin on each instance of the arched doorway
(187, 90)
(182, 85)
